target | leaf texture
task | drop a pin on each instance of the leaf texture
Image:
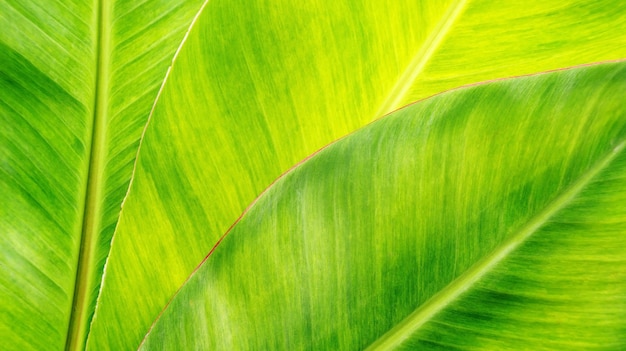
(258, 87)
(492, 216)
(77, 82)
(137, 43)
(46, 118)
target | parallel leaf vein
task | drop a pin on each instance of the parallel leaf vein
(421, 58)
(450, 293)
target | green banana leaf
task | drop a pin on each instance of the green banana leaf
(253, 89)
(77, 82)
(441, 226)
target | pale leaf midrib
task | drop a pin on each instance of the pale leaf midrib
(456, 288)
(80, 313)
(420, 59)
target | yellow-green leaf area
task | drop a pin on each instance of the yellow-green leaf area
(489, 217)
(256, 88)
(77, 82)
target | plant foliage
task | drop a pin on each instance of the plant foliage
(136, 134)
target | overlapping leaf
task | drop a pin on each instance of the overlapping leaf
(258, 87)
(494, 217)
(77, 81)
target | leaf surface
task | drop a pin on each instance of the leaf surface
(258, 87)
(77, 82)
(492, 217)
(45, 136)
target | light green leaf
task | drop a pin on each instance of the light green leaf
(494, 217)
(77, 82)
(257, 87)
(46, 114)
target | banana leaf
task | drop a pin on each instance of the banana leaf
(441, 226)
(236, 95)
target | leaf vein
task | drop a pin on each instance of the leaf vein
(420, 59)
(456, 288)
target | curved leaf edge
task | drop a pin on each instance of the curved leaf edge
(135, 162)
(574, 188)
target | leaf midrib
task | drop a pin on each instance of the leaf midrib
(421, 58)
(80, 313)
(401, 332)
(390, 103)
(92, 206)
